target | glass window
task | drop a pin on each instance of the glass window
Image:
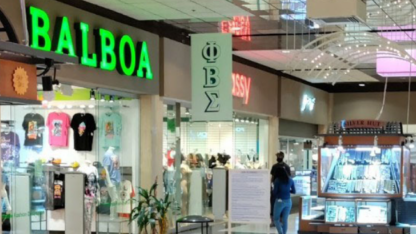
(240, 144)
(41, 144)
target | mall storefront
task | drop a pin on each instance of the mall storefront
(209, 149)
(70, 139)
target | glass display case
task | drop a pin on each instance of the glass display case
(340, 211)
(361, 171)
(303, 182)
(313, 208)
(373, 212)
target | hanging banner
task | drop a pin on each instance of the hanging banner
(211, 58)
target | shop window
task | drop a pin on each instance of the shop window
(240, 144)
(41, 145)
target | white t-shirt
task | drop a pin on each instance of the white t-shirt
(126, 193)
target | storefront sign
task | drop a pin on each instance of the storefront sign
(241, 87)
(308, 103)
(240, 26)
(111, 52)
(211, 69)
(363, 124)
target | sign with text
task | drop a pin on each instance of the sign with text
(211, 56)
(249, 196)
(241, 87)
(112, 52)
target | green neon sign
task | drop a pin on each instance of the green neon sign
(110, 53)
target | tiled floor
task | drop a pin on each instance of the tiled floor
(251, 229)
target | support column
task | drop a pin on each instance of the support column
(151, 142)
(274, 144)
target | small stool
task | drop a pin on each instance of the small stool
(194, 219)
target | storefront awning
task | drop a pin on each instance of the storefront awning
(22, 53)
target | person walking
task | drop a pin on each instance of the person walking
(280, 164)
(283, 187)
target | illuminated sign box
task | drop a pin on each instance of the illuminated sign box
(240, 26)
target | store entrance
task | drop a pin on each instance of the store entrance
(70, 162)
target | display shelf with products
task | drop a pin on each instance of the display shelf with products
(340, 211)
(373, 212)
(313, 208)
(359, 169)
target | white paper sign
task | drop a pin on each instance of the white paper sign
(211, 56)
(249, 196)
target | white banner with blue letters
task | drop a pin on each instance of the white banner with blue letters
(211, 60)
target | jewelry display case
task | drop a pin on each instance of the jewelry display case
(358, 169)
(340, 211)
(303, 182)
(312, 210)
(373, 212)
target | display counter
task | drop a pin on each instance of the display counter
(360, 177)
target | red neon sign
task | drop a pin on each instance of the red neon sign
(241, 87)
(240, 25)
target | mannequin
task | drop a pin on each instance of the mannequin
(112, 164)
(92, 196)
(185, 174)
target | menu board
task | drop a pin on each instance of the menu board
(249, 196)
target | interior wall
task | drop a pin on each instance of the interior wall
(291, 101)
(368, 106)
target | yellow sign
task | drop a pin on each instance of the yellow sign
(20, 81)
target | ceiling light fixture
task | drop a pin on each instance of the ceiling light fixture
(361, 85)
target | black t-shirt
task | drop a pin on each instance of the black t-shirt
(59, 191)
(276, 166)
(84, 127)
(33, 125)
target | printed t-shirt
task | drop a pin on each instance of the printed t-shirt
(10, 147)
(58, 124)
(112, 163)
(110, 123)
(59, 191)
(84, 127)
(32, 125)
(126, 193)
(105, 201)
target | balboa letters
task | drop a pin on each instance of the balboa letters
(111, 53)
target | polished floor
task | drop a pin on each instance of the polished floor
(251, 229)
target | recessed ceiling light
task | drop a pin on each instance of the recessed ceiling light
(362, 85)
(285, 51)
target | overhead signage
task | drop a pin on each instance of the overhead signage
(211, 60)
(308, 103)
(363, 124)
(240, 26)
(111, 53)
(241, 87)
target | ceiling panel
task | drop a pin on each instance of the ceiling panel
(173, 9)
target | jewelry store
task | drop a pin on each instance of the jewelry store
(209, 149)
(71, 119)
